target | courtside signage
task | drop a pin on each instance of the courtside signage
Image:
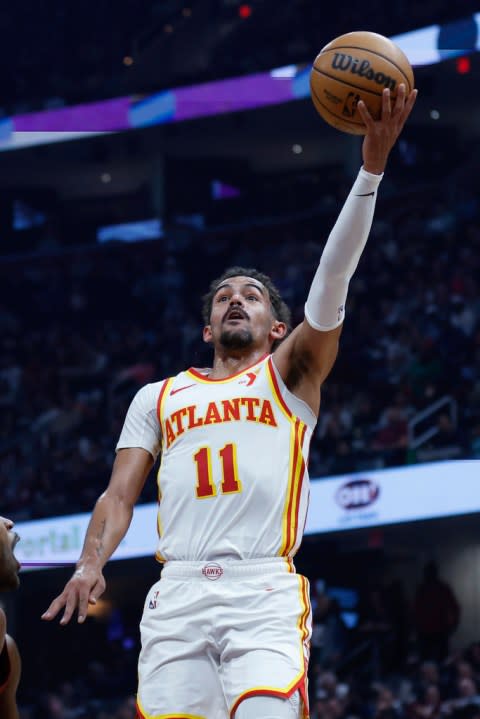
(394, 496)
(367, 499)
(58, 541)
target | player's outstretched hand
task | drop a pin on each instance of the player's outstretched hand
(84, 588)
(382, 134)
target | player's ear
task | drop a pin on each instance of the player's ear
(207, 334)
(279, 330)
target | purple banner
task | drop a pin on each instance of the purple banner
(239, 93)
(90, 117)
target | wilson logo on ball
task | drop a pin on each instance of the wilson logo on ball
(348, 63)
(357, 494)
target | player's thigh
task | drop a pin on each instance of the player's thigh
(270, 707)
(177, 673)
(265, 650)
(187, 686)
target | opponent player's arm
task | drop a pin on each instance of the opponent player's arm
(108, 525)
(306, 357)
(11, 664)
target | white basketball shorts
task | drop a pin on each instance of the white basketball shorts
(216, 633)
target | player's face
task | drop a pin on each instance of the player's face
(8, 564)
(241, 315)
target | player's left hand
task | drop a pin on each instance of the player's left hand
(382, 134)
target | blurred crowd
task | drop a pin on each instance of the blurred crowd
(81, 331)
(396, 663)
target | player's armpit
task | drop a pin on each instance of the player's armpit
(305, 359)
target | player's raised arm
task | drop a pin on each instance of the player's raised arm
(108, 525)
(306, 357)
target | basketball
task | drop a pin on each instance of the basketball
(357, 66)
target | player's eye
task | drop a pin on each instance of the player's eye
(222, 298)
(252, 297)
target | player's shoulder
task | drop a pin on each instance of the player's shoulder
(148, 396)
(3, 628)
(10, 668)
(150, 391)
(14, 656)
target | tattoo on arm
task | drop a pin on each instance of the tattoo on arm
(100, 535)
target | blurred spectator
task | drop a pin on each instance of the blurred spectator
(331, 635)
(386, 706)
(447, 436)
(391, 438)
(428, 706)
(437, 614)
(376, 628)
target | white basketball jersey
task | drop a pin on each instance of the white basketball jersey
(233, 478)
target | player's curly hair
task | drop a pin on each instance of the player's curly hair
(280, 309)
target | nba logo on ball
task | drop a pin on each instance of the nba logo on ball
(212, 571)
(350, 104)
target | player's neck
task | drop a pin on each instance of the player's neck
(226, 363)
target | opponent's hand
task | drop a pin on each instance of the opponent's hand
(84, 588)
(382, 134)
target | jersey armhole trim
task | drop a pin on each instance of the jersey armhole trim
(272, 376)
(309, 419)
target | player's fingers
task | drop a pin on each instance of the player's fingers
(410, 102)
(70, 606)
(84, 599)
(54, 608)
(364, 114)
(386, 104)
(400, 99)
(96, 591)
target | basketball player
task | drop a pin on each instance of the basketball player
(225, 631)
(9, 656)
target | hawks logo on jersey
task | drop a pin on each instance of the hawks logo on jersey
(237, 409)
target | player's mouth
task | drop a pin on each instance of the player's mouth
(235, 315)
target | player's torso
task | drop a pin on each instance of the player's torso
(233, 479)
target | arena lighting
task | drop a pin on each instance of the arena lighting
(101, 610)
(245, 11)
(463, 65)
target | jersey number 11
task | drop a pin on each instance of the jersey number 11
(228, 459)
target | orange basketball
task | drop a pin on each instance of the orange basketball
(357, 66)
